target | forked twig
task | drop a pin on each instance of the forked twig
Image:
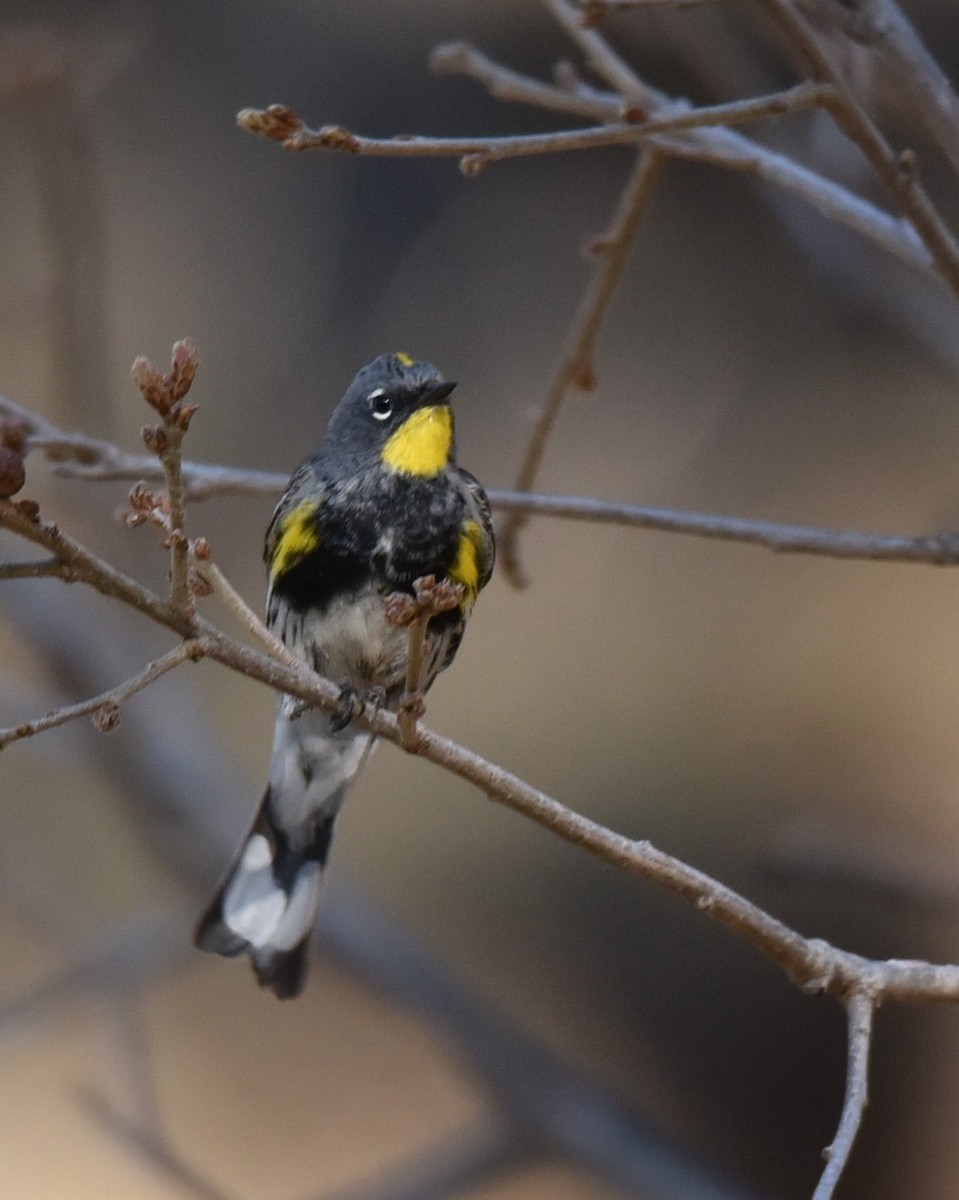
(105, 708)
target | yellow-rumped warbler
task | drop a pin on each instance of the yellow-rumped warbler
(381, 504)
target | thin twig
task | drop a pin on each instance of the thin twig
(210, 572)
(411, 707)
(897, 172)
(577, 369)
(32, 570)
(166, 394)
(938, 549)
(78, 456)
(883, 25)
(860, 1006)
(180, 594)
(107, 702)
(477, 153)
(720, 147)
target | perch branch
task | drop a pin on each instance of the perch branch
(812, 963)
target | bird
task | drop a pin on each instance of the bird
(381, 505)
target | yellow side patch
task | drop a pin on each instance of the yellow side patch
(403, 359)
(466, 566)
(421, 445)
(298, 538)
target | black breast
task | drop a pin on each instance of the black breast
(382, 534)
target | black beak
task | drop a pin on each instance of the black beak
(437, 394)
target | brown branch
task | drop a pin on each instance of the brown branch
(165, 394)
(476, 153)
(203, 480)
(105, 707)
(576, 370)
(813, 964)
(430, 599)
(78, 456)
(883, 26)
(860, 1006)
(938, 549)
(897, 172)
(720, 147)
(32, 570)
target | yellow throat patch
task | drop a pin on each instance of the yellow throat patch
(298, 538)
(421, 445)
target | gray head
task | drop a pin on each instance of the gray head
(396, 408)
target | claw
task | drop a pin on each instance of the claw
(350, 704)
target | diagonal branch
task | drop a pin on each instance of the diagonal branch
(105, 707)
(897, 172)
(576, 370)
(812, 963)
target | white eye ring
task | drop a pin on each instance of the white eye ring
(381, 404)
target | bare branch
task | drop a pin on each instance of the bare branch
(813, 964)
(40, 569)
(179, 784)
(166, 394)
(576, 370)
(938, 549)
(898, 172)
(430, 599)
(104, 707)
(477, 153)
(860, 1006)
(219, 584)
(208, 479)
(720, 147)
(883, 25)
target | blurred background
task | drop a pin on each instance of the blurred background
(492, 1013)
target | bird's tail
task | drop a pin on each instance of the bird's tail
(268, 904)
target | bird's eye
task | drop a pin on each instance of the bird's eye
(381, 404)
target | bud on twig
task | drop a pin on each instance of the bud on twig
(12, 472)
(107, 717)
